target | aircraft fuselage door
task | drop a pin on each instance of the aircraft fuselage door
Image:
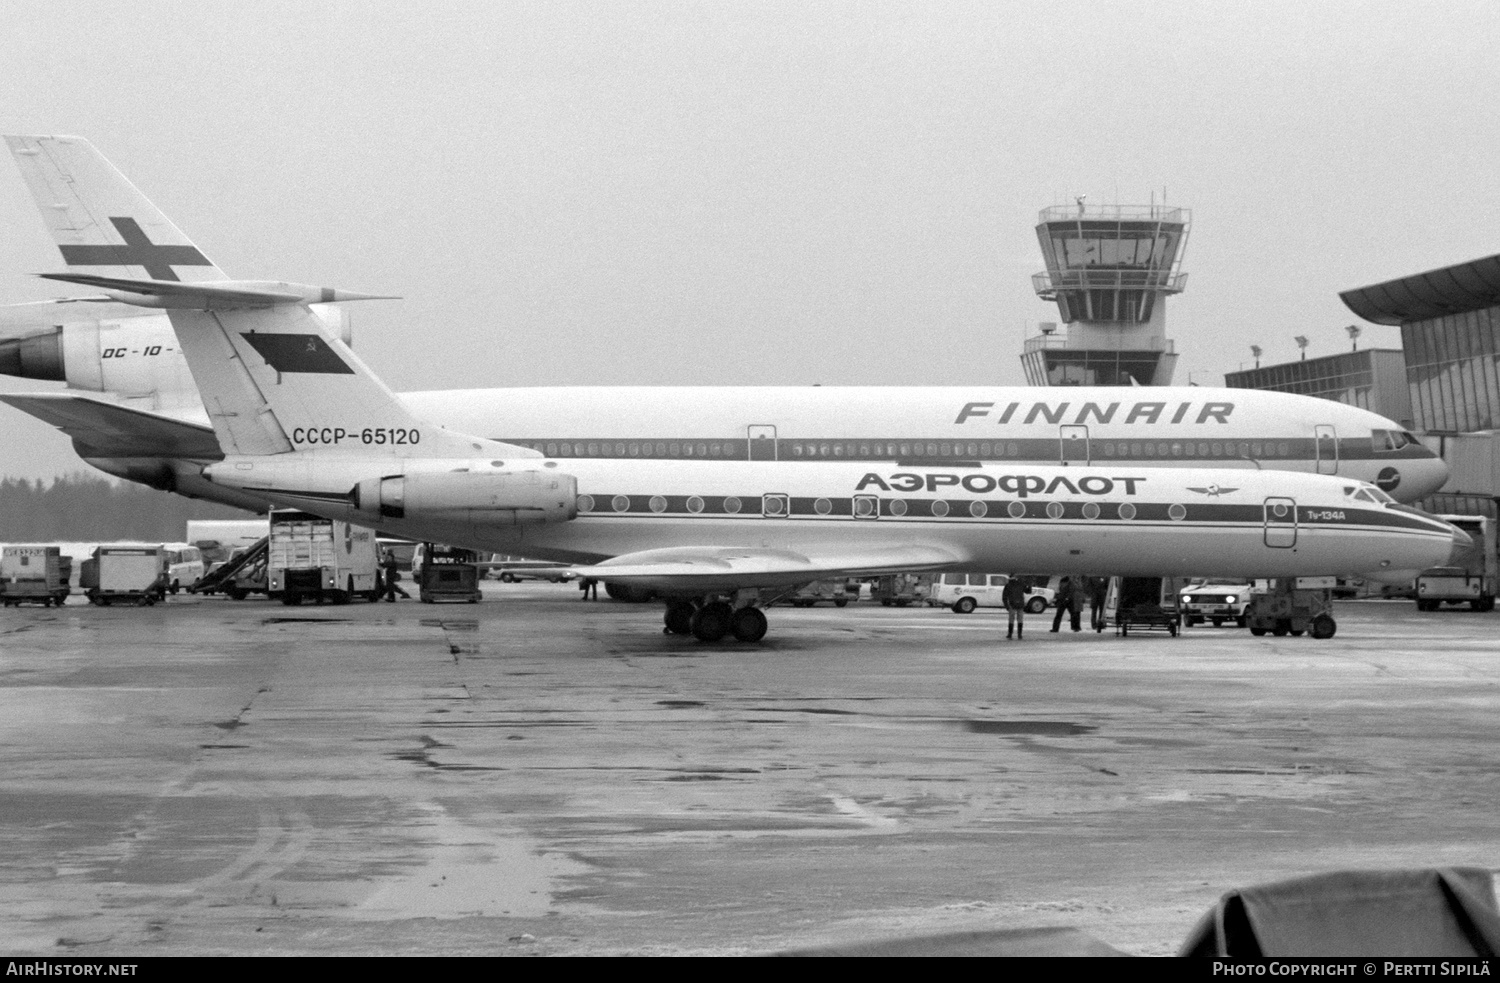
(1074, 441)
(1281, 523)
(762, 441)
(1327, 442)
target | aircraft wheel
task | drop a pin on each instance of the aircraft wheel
(748, 625)
(712, 621)
(964, 605)
(1036, 605)
(679, 619)
(1323, 626)
(507, 578)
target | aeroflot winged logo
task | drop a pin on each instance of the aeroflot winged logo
(1213, 491)
(297, 353)
(1019, 485)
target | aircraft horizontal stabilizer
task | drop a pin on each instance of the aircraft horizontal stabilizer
(212, 296)
(710, 568)
(118, 431)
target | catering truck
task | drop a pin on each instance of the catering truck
(317, 559)
(1469, 577)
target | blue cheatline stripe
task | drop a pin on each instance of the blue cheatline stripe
(928, 452)
(998, 511)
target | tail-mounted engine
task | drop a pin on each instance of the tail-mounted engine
(509, 498)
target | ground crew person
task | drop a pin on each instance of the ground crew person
(391, 577)
(1014, 596)
(1098, 591)
(1067, 603)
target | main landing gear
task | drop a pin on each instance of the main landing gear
(712, 619)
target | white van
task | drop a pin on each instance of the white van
(963, 592)
(184, 565)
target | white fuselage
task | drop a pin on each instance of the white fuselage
(991, 517)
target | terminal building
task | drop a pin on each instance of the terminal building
(1110, 269)
(1450, 334)
(1444, 383)
(1373, 379)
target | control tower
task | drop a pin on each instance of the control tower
(1110, 269)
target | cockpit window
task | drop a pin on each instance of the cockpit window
(1386, 441)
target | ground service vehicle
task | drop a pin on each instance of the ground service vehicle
(1292, 606)
(963, 592)
(125, 573)
(900, 589)
(320, 559)
(1217, 601)
(218, 538)
(34, 575)
(446, 573)
(1469, 578)
(184, 566)
(838, 592)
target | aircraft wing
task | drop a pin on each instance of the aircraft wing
(699, 569)
(118, 431)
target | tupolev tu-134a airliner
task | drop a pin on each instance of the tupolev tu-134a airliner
(134, 411)
(716, 537)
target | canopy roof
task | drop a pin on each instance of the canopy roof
(1450, 290)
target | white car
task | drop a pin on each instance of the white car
(1217, 601)
(963, 592)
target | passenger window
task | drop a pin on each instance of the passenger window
(976, 580)
(953, 579)
(997, 581)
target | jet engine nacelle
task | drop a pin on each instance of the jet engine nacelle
(491, 498)
(133, 355)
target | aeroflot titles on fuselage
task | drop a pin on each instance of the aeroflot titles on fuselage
(1019, 485)
(1142, 412)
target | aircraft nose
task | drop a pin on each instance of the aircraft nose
(1461, 539)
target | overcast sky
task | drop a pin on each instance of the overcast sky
(763, 193)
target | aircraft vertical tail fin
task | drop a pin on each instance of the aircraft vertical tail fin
(100, 222)
(275, 379)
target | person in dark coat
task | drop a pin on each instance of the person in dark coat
(391, 576)
(1014, 596)
(1098, 591)
(1072, 593)
(1064, 601)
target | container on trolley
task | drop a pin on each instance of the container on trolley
(125, 574)
(34, 575)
